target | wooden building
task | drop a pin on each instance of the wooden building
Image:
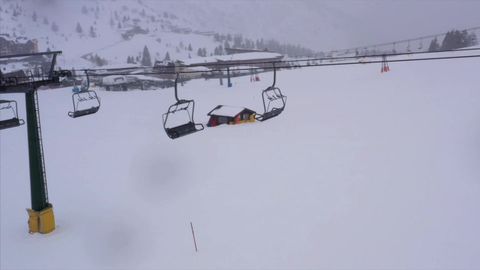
(230, 115)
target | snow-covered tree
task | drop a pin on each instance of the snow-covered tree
(54, 27)
(99, 61)
(34, 16)
(146, 59)
(79, 29)
(130, 60)
(92, 32)
(167, 57)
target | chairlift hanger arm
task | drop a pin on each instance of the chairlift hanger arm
(30, 54)
(176, 90)
(27, 84)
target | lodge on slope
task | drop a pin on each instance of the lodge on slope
(230, 115)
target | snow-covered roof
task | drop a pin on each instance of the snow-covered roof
(120, 66)
(114, 79)
(232, 57)
(249, 56)
(199, 60)
(225, 110)
(198, 69)
(145, 78)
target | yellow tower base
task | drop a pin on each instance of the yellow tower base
(41, 221)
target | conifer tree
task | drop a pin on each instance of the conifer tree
(167, 57)
(79, 28)
(146, 59)
(434, 46)
(92, 32)
(54, 27)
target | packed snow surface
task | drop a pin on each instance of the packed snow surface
(362, 170)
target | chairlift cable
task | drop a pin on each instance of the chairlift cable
(277, 61)
(288, 66)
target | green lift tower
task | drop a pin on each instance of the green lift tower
(41, 217)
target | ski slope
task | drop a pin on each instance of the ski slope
(363, 170)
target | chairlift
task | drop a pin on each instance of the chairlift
(184, 110)
(9, 107)
(385, 66)
(85, 101)
(273, 100)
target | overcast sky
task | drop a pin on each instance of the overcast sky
(318, 24)
(331, 24)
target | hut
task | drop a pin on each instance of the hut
(230, 115)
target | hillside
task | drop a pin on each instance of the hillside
(113, 31)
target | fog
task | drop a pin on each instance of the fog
(326, 25)
(319, 25)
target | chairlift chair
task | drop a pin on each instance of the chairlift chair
(185, 107)
(273, 100)
(9, 107)
(85, 101)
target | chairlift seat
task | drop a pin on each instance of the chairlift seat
(76, 114)
(10, 123)
(270, 114)
(182, 130)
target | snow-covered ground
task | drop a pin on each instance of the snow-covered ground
(363, 170)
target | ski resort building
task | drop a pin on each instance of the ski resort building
(230, 115)
(17, 45)
(249, 59)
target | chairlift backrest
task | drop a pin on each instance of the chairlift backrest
(13, 120)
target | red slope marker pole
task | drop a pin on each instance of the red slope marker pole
(193, 235)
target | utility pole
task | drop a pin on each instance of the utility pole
(229, 84)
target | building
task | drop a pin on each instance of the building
(230, 115)
(11, 45)
(239, 50)
(200, 67)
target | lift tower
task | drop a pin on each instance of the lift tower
(26, 73)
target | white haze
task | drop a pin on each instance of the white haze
(327, 25)
(319, 25)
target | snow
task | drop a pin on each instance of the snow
(254, 56)
(226, 110)
(250, 56)
(362, 170)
